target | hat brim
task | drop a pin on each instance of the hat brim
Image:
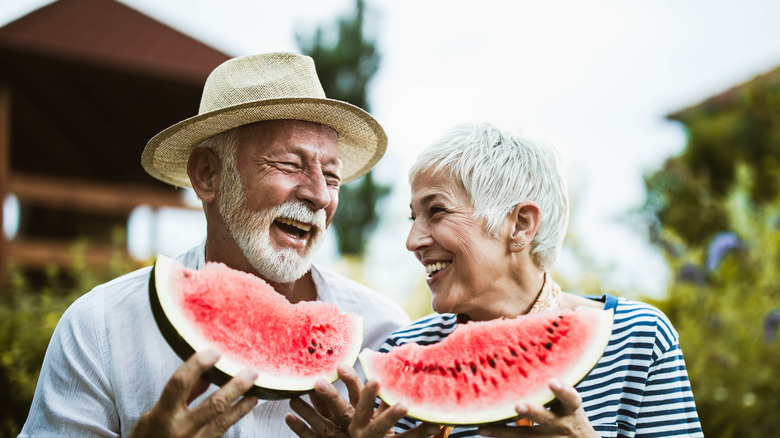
(362, 141)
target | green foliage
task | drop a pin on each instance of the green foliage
(725, 322)
(726, 309)
(739, 127)
(27, 319)
(345, 65)
(356, 216)
(29, 311)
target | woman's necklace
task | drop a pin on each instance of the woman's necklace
(549, 297)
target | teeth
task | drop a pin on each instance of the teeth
(294, 223)
(438, 266)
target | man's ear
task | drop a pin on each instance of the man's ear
(203, 169)
(525, 216)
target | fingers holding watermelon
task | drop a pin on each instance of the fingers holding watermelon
(565, 418)
(171, 416)
(330, 416)
(318, 423)
(327, 400)
(329, 413)
(568, 399)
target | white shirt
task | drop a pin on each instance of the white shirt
(107, 362)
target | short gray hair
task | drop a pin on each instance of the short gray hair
(499, 169)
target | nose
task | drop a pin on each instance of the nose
(419, 236)
(314, 190)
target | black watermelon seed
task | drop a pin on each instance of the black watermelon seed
(311, 350)
(548, 345)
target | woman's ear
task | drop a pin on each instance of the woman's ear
(203, 169)
(525, 216)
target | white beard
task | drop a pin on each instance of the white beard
(251, 231)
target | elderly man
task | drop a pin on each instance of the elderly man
(266, 155)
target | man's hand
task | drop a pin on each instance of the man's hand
(332, 416)
(171, 416)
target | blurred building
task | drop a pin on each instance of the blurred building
(84, 84)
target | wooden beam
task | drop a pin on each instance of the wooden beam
(40, 253)
(5, 166)
(90, 195)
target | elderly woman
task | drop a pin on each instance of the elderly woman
(489, 213)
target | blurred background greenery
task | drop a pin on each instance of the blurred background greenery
(712, 210)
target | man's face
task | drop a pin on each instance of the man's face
(280, 194)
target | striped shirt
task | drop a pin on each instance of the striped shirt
(639, 388)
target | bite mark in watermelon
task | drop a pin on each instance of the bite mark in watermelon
(290, 345)
(479, 373)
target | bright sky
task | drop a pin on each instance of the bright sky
(594, 77)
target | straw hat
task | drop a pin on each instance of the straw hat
(272, 86)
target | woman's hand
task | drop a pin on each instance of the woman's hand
(171, 416)
(566, 418)
(333, 417)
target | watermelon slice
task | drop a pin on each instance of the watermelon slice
(479, 373)
(291, 345)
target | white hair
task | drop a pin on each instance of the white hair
(499, 169)
(224, 144)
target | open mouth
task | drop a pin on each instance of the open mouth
(292, 227)
(434, 268)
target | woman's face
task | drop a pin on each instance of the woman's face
(465, 265)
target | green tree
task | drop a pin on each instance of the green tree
(714, 211)
(346, 62)
(738, 127)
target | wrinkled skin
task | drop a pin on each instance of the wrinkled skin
(333, 417)
(171, 416)
(566, 418)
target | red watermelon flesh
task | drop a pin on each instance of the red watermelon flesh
(291, 345)
(481, 371)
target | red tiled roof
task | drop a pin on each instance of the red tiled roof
(725, 98)
(109, 34)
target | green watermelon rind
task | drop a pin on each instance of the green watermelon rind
(477, 415)
(185, 340)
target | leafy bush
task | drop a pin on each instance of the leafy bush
(727, 313)
(28, 314)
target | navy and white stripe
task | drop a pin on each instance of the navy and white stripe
(639, 388)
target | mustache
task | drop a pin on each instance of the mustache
(300, 212)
